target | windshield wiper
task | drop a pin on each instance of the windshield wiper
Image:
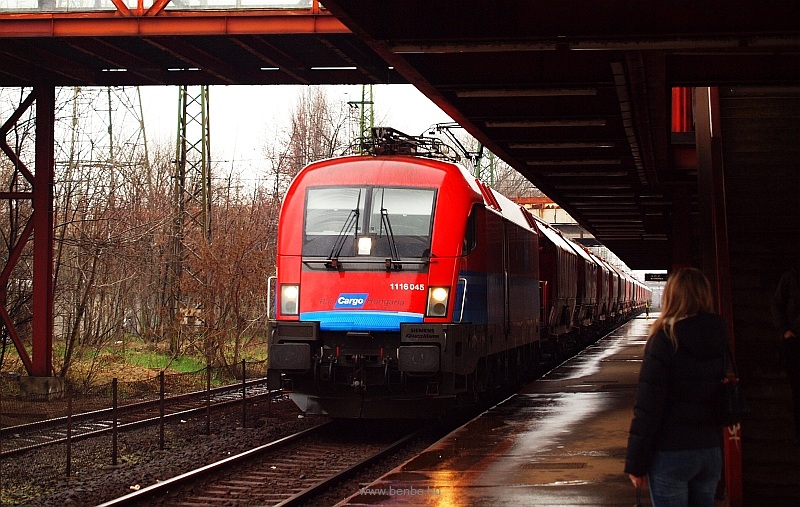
(385, 222)
(389, 234)
(351, 222)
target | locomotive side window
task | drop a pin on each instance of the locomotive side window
(471, 233)
(398, 221)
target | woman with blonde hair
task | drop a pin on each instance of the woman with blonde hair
(675, 438)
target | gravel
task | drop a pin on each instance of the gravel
(39, 477)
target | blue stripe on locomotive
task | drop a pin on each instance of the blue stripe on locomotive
(485, 302)
(361, 320)
(476, 308)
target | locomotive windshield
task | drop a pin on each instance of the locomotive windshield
(388, 222)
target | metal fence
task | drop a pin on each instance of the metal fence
(16, 409)
(110, 402)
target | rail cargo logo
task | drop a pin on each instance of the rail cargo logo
(351, 301)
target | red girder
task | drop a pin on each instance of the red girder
(156, 21)
(42, 218)
(6, 318)
(16, 251)
(4, 130)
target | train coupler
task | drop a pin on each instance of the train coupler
(418, 358)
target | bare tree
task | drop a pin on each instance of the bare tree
(113, 234)
(237, 264)
(317, 130)
(509, 182)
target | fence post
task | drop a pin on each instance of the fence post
(114, 417)
(244, 395)
(208, 399)
(2, 394)
(69, 432)
(161, 410)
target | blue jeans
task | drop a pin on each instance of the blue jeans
(685, 478)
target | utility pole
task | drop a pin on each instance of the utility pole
(366, 113)
(191, 188)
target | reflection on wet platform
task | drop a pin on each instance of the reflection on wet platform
(559, 441)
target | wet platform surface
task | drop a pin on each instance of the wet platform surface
(560, 441)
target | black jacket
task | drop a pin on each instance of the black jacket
(786, 303)
(678, 392)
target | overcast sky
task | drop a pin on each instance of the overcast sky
(241, 117)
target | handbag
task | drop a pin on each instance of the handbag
(733, 405)
(638, 496)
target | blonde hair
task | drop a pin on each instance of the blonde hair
(687, 292)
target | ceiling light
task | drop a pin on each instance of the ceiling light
(592, 187)
(583, 174)
(607, 213)
(595, 122)
(605, 208)
(578, 161)
(616, 221)
(564, 144)
(481, 47)
(599, 196)
(589, 203)
(526, 92)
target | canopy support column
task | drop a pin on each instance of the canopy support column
(716, 253)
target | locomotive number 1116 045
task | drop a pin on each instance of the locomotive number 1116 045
(407, 286)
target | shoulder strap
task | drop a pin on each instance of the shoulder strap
(730, 362)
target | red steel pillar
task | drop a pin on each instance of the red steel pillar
(42, 325)
(684, 156)
(682, 118)
(716, 255)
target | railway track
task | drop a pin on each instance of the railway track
(26, 437)
(289, 471)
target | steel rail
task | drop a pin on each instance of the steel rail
(162, 487)
(347, 473)
(95, 418)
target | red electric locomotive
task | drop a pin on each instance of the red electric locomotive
(404, 285)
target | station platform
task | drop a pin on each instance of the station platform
(560, 441)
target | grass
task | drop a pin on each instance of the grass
(152, 359)
(132, 360)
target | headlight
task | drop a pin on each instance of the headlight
(290, 297)
(437, 301)
(364, 245)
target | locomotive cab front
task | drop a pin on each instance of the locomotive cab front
(367, 283)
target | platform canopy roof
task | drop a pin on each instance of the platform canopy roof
(576, 94)
(199, 44)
